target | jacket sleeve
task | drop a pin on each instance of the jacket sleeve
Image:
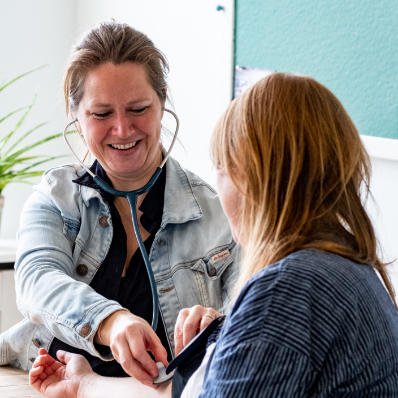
(47, 293)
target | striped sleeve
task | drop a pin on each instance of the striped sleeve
(256, 369)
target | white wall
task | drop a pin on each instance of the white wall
(383, 208)
(33, 33)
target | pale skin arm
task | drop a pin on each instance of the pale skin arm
(77, 380)
(73, 377)
(101, 387)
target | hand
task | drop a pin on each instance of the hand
(190, 322)
(54, 379)
(130, 337)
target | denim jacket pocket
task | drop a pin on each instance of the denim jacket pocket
(214, 266)
(208, 277)
(218, 263)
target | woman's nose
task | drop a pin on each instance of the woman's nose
(123, 126)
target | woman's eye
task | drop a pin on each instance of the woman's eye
(101, 115)
(139, 110)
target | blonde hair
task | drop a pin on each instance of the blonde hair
(117, 43)
(296, 157)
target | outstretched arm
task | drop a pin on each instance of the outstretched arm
(76, 379)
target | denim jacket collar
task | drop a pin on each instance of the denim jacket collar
(180, 204)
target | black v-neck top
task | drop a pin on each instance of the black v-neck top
(133, 291)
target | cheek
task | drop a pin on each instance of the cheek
(230, 201)
(91, 134)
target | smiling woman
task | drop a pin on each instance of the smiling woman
(85, 286)
(120, 116)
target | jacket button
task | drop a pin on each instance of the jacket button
(172, 336)
(213, 271)
(85, 330)
(32, 359)
(103, 221)
(82, 269)
(36, 343)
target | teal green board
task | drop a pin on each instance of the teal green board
(351, 46)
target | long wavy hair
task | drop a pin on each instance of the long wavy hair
(296, 157)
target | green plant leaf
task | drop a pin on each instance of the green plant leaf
(5, 165)
(23, 137)
(28, 147)
(4, 140)
(15, 166)
(48, 158)
(12, 113)
(3, 86)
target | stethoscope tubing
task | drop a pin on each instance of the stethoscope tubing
(132, 197)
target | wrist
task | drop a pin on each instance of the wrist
(87, 382)
(103, 333)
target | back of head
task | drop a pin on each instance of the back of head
(117, 43)
(293, 152)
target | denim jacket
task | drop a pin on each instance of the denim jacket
(65, 234)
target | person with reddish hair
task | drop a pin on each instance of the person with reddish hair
(314, 312)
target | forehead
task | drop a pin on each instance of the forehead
(117, 83)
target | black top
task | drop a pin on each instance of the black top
(133, 291)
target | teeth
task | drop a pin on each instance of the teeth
(127, 146)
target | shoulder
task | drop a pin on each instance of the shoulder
(57, 189)
(187, 193)
(197, 184)
(307, 296)
(185, 179)
(63, 175)
(314, 272)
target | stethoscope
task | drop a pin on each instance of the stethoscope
(131, 197)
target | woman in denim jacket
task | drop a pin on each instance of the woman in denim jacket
(81, 282)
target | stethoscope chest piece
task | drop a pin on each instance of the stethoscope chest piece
(163, 377)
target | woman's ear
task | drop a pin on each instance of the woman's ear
(77, 125)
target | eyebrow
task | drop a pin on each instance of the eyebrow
(101, 105)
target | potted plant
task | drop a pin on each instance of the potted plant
(15, 164)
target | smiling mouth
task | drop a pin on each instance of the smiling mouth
(124, 147)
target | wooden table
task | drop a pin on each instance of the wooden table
(14, 383)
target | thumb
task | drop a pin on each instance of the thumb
(64, 356)
(158, 351)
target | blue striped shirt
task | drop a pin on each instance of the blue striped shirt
(311, 325)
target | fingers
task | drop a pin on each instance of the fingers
(34, 380)
(43, 366)
(42, 351)
(64, 356)
(131, 338)
(190, 322)
(178, 330)
(205, 322)
(191, 326)
(135, 360)
(154, 345)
